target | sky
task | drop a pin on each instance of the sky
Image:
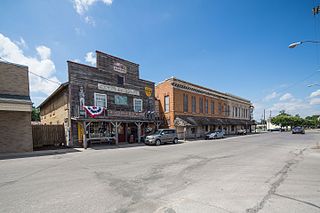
(238, 47)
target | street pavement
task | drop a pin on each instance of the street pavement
(271, 172)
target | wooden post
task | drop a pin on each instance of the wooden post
(85, 143)
(116, 125)
(139, 124)
(158, 125)
(126, 131)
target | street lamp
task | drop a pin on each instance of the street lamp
(294, 44)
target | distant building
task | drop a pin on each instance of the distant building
(195, 110)
(15, 109)
(270, 126)
(105, 102)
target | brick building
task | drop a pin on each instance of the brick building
(195, 110)
(15, 109)
(101, 103)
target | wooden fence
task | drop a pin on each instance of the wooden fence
(48, 135)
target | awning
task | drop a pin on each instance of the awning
(184, 120)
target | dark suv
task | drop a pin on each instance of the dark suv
(162, 136)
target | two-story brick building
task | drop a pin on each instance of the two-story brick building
(103, 102)
(15, 109)
(194, 110)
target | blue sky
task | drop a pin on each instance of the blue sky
(239, 47)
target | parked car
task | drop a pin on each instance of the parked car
(241, 132)
(162, 136)
(298, 130)
(214, 135)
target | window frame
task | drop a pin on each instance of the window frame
(166, 105)
(123, 79)
(201, 104)
(95, 98)
(134, 104)
(194, 104)
(185, 103)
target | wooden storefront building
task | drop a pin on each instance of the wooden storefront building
(108, 102)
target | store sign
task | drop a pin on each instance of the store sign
(118, 89)
(148, 91)
(120, 100)
(128, 114)
(119, 67)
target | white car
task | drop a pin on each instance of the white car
(214, 135)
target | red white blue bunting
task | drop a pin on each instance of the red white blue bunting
(94, 111)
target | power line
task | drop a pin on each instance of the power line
(47, 79)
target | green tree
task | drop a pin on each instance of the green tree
(35, 114)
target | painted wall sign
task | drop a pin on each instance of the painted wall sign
(119, 67)
(148, 91)
(120, 100)
(126, 114)
(118, 89)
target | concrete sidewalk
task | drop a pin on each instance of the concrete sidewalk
(4, 156)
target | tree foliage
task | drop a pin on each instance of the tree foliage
(285, 120)
(35, 114)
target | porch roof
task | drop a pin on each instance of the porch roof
(183, 120)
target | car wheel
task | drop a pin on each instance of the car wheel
(158, 142)
(175, 141)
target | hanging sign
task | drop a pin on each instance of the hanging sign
(94, 111)
(148, 91)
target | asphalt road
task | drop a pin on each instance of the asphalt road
(273, 172)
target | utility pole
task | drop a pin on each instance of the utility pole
(264, 118)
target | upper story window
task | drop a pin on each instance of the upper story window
(166, 103)
(201, 105)
(120, 80)
(228, 111)
(220, 108)
(194, 104)
(212, 107)
(206, 106)
(137, 105)
(185, 103)
(100, 100)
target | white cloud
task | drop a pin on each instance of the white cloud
(287, 97)
(44, 52)
(315, 101)
(271, 96)
(293, 106)
(90, 20)
(91, 58)
(82, 6)
(315, 94)
(41, 65)
(21, 43)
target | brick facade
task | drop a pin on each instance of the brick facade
(218, 109)
(15, 131)
(15, 109)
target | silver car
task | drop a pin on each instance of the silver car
(162, 136)
(214, 135)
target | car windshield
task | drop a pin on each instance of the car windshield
(157, 132)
